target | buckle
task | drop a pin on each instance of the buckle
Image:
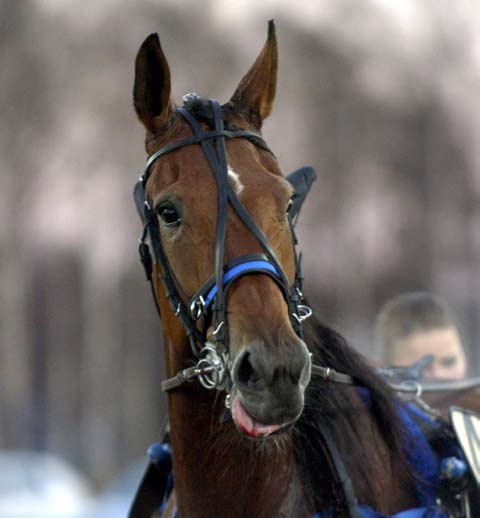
(211, 370)
(303, 312)
(197, 307)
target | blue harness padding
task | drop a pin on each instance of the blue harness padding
(241, 269)
(424, 462)
(422, 459)
(161, 456)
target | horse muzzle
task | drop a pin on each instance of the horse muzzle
(268, 387)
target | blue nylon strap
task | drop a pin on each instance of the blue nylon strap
(241, 269)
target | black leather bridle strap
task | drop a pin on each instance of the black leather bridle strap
(150, 493)
(171, 292)
(218, 162)
(221, 176)
(340, 474)
(219, 167)
(244, 215)
(406, 387)
(198, 138)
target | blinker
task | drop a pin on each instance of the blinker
(301, 180)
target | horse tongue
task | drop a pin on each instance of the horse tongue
(248, 425)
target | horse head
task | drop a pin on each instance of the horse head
(208, 215)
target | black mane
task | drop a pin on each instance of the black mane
(340, 409)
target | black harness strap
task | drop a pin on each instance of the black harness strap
(202, 136)
(177, 305)
(219, 166)
(348, 501)
(150, 493)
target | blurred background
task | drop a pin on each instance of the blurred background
(380, 97)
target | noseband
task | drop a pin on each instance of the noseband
(210, 299)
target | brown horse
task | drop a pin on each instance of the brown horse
(269, 459)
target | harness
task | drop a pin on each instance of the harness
(212, 364)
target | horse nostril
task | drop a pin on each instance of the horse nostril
(247, 376)
(299, 368)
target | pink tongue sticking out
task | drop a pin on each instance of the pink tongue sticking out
(247, 424)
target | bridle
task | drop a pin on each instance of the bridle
(212, 358)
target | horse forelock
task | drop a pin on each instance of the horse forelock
(201, 109)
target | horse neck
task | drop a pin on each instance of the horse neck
(219, 473)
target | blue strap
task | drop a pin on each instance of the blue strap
(241, 269)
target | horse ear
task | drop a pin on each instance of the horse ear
(151, 91)
(255, 93)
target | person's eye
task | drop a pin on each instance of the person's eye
(448, 361)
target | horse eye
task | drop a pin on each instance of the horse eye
(169, 215)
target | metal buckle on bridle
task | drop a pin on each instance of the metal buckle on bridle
(416, 396)
(303, 312)
(197, 307)
(189, 97)
(212, 368)
(299, 293)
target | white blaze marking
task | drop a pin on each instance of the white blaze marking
(235, 180)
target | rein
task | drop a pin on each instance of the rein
(408, 386)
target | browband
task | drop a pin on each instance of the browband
(198, 139)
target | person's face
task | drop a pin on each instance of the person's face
(444, 343)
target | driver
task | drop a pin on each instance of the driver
(413, 325)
